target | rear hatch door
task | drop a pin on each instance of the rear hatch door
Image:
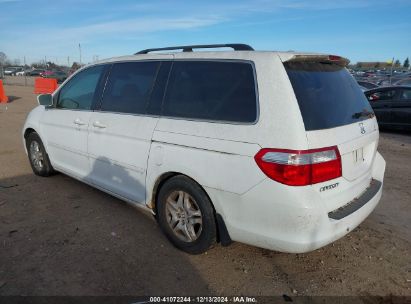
(335, 111)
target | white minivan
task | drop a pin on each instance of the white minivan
(273, 149)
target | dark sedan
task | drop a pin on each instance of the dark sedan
(35, 72)
(392, 106)
(402, 82)
(59, 75)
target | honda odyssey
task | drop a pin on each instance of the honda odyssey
(273, 149)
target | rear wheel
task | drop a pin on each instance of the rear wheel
(39, 160)
(186, 215)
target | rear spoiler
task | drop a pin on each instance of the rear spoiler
(341, 61)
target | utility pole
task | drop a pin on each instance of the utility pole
(79, 48)
(25, 76)
(392, 65)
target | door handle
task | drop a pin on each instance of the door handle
(79, 122)
(98, 124)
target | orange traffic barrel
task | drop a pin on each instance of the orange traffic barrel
(3, 96)
(44, 85)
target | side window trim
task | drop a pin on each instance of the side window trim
(166, 88)
(101, 88)
(153, 86)
(162, 87)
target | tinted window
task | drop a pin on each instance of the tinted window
(381, 95)
(78, 93)
(129, 86)
(327, 94)
(211, 90)
(406, 94)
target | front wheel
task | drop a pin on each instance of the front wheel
(186, 216)
(39, 160)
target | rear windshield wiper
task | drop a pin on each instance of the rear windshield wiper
(363, 114)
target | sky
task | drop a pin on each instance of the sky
(361, 30)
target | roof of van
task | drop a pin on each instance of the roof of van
(240, 51)
(284, 55)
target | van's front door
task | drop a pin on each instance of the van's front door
(120, 133)
(64, 128)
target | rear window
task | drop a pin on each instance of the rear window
(212, 90)
(327, 94)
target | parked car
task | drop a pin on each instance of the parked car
(45, 73)
(23, 72)
(35, 72)
(11, 71)
(59, 75)
(406, 81)
(392, 106)
(273, 149)
(367, 84)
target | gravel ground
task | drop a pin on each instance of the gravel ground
(61, 237)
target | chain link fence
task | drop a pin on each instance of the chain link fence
(22, 80)
(19, 80)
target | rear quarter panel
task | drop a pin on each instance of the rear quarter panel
(221, 155)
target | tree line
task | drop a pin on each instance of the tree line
(380, 65)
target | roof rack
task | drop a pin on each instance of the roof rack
(189, 48)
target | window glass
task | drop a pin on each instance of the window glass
(211, 90)
(382, 95)
(78, 93)
(406, 94)
(129, 86)
(328, 96)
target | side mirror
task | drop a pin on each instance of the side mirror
(45, 100)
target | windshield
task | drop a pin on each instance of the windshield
(327, 94)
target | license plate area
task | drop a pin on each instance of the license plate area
(358, 156)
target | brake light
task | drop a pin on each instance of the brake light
(300, 167)
(334, 58)
(373, 97)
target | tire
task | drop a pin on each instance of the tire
(186, 216)
(39, 160)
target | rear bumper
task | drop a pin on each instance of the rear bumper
(357, 203)
(296, 220)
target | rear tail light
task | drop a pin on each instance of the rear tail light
(300, 167)
(334, 58)
(373, 97)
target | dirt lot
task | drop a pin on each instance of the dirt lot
(61, 237)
